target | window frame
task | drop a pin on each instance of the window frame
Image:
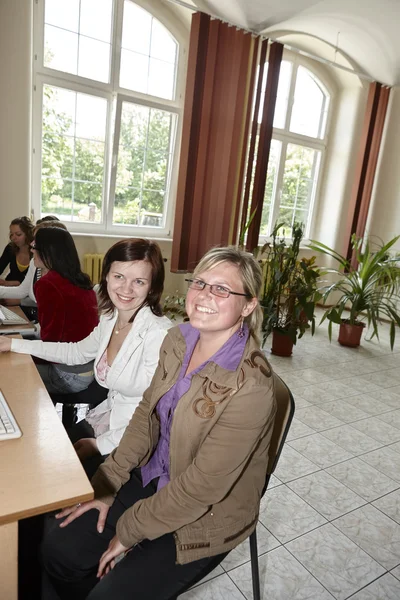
(114, 95)
(286, 137)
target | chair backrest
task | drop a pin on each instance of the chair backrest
(283, 419)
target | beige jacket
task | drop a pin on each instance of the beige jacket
(219, 443)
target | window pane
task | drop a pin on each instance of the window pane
(62, 14)
(282, 96)
(299, 179)
(148, 54)
(144, 157)
(98, 69)
(163, 45)
(134, 71)
(95, 19)
(73, 166)
(136, 28)
(66, 49)
(91, 114)
(60, 49)
(308, 107)
(161, 78)
(270, 186)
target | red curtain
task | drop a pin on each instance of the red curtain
(264, 143)
(218, 100)
(374, 120)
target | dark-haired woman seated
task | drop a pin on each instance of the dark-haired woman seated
(67, 306)
(184, 485)
(17, 254)
(125, 345)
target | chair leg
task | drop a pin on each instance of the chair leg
(255, 574)
(69, 412)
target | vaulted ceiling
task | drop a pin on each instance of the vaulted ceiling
(365, 31)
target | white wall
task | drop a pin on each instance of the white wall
(15, 111)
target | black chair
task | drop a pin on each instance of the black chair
(283, 420)
(93, 396)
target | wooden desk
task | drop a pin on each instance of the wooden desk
(4, 329)
(40, 471)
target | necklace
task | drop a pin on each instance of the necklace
(118, 329)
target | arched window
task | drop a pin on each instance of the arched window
(299, 140)
(106, 105)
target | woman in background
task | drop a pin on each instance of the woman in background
(184, 485)
(67, 306)
(17, 254)
(23, 293)
(125, 345)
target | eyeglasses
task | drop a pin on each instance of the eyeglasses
(215, 289)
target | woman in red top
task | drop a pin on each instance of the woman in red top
(67, 306)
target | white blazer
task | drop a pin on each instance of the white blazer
(130, 374)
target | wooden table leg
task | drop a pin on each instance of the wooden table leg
(9, 560)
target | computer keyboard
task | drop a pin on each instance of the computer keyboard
(8, 317)
(8, 425)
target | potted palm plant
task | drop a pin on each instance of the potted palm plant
(370, 292)
(289, 292)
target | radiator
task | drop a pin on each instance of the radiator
(92, 265)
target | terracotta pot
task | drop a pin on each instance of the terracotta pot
(282, 345)
(350, 335)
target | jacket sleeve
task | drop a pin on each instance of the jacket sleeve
(22, 290)
(68, 353)
(5, 258)
(217, 466)
(151, 349)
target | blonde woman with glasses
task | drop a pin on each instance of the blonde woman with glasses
(184, 485)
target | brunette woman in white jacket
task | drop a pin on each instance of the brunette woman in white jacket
(125, 345)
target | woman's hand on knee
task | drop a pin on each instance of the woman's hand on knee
(73, 512)
(107, 559)
(5, 344)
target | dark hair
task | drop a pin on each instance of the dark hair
(128, 251)
(26, 226)
(58, 253)
(47, 218)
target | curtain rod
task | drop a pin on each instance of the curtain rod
(294, 49)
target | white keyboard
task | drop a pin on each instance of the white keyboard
(8, 317)
(8, 425)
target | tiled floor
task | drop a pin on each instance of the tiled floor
(330, 521)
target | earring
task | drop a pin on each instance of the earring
(240, 332)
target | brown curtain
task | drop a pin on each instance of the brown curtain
(220, 79)
(374, 120)
(264, 144)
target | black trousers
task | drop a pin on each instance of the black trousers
(84, 430)
(148, 572)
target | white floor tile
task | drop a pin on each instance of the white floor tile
(320, 450)
(338, 564)
(384, 588)
(282, 577)
(327, 495)
(385, 460)
(363, 479)
(374, 532)
(286, 515)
